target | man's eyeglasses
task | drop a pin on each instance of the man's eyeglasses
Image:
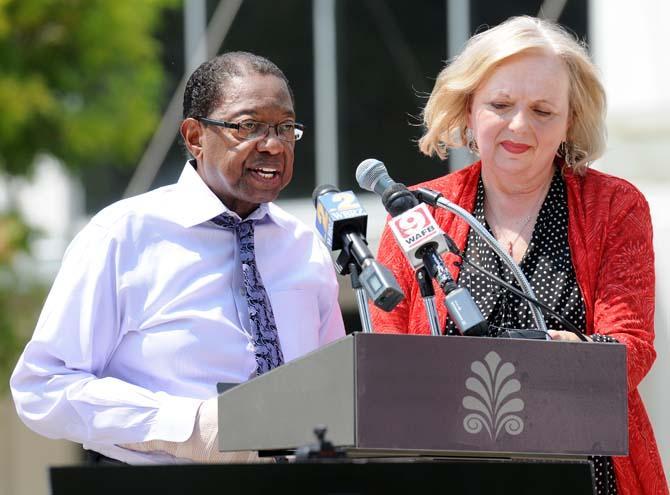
(250, 129)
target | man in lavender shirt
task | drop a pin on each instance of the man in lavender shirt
(163, 295)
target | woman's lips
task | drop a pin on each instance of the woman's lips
(515, 148)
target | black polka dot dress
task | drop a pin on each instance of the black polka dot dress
(547, 264)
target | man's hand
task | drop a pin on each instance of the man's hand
(203, 445)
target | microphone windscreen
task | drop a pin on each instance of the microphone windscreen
(397, 199)
(322, 189)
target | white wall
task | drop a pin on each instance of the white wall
(630, 42)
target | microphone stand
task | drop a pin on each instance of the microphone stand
(428, 296)
(361, 299)
(435, 198)
(347, 266)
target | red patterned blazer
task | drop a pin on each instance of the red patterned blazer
(610, 238)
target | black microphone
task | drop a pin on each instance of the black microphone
(421, 241)
(342, 221)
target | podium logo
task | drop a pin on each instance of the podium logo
(492, 385)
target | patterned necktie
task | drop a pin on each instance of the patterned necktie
(263, 327)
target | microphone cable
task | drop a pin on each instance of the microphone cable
(564, 321)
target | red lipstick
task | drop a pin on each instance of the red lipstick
(516, 148)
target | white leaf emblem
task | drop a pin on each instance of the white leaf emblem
(492, 385)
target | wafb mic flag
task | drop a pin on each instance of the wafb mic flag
(416, 230)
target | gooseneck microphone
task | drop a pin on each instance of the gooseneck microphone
(372, 173)
(421, 240)
(435, 198)
(372, 176)
(342, 221)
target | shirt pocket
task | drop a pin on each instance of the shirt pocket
(298, 323)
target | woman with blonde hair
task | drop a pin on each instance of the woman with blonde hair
(525, 97)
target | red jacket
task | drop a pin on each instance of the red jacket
(610, 237)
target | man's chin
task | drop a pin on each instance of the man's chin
(263, 192)
(258, 197)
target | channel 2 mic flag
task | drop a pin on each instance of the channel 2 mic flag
(335, 210)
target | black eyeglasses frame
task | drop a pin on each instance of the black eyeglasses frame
(298, 128)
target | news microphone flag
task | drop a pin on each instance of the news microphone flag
(416, 229)
(336, 209)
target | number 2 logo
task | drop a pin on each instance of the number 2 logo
(345, 200)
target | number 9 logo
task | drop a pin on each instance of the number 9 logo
(413, 222)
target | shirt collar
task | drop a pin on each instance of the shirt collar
(198, 204)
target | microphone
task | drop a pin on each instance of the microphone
(372, 176)
(462, 308)
(421, 240)
(342, 221)
(413, 226)
(337, 211)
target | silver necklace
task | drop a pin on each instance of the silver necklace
(526, 222)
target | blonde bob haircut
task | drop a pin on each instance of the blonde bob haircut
(445, 116)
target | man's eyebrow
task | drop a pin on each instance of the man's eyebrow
(254, 112)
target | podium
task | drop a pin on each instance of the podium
(408, 395)
(468, 415)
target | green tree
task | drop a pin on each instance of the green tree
(15, 305)
(81, 80)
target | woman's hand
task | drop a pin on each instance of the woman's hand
(566, 336)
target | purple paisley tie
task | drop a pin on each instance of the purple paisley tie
(263, 327)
